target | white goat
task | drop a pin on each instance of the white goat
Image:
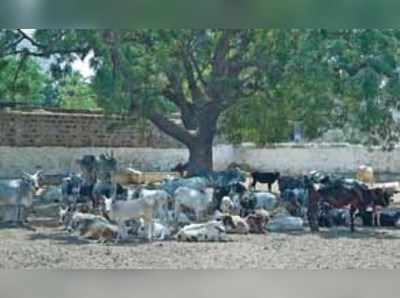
(198, 201)
(121, 211)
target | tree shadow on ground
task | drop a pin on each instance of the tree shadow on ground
(10, 225)
(64, 238)
(361, 233)
(344, 232)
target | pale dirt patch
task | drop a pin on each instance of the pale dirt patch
(50, 247)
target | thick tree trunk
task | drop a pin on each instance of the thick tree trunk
(200, 144)
(200, 157)
(201, 149)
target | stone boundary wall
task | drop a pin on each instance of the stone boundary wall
(70, 129)
(289, 159)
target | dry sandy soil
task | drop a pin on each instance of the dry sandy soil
(50, 247)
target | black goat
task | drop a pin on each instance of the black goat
(265, 177)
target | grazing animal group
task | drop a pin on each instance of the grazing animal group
(106, 203)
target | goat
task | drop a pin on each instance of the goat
(265, 177)
(198, 201)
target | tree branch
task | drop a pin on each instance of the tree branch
(171, 128)
(30, 39)
(194, 88)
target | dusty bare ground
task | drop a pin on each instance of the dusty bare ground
(50, 247)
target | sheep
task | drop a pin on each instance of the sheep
(198, 201)
(210, 231)
(121, 211)
(366, 174)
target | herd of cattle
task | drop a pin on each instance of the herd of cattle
(105, 202)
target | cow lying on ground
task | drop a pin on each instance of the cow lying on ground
(235, 224)
(210, 231)
(93, 227)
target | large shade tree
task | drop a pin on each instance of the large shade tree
(257, 80)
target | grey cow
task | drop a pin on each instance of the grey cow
(16, 197)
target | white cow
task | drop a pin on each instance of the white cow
(95, 227)
(285, 224)
(210, 231)
(161, 198)
(235, 224)
(195, 200)
(160, 231)
(16, 196)
(121, 211)
(265, 200)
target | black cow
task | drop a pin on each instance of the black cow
(265, 177)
